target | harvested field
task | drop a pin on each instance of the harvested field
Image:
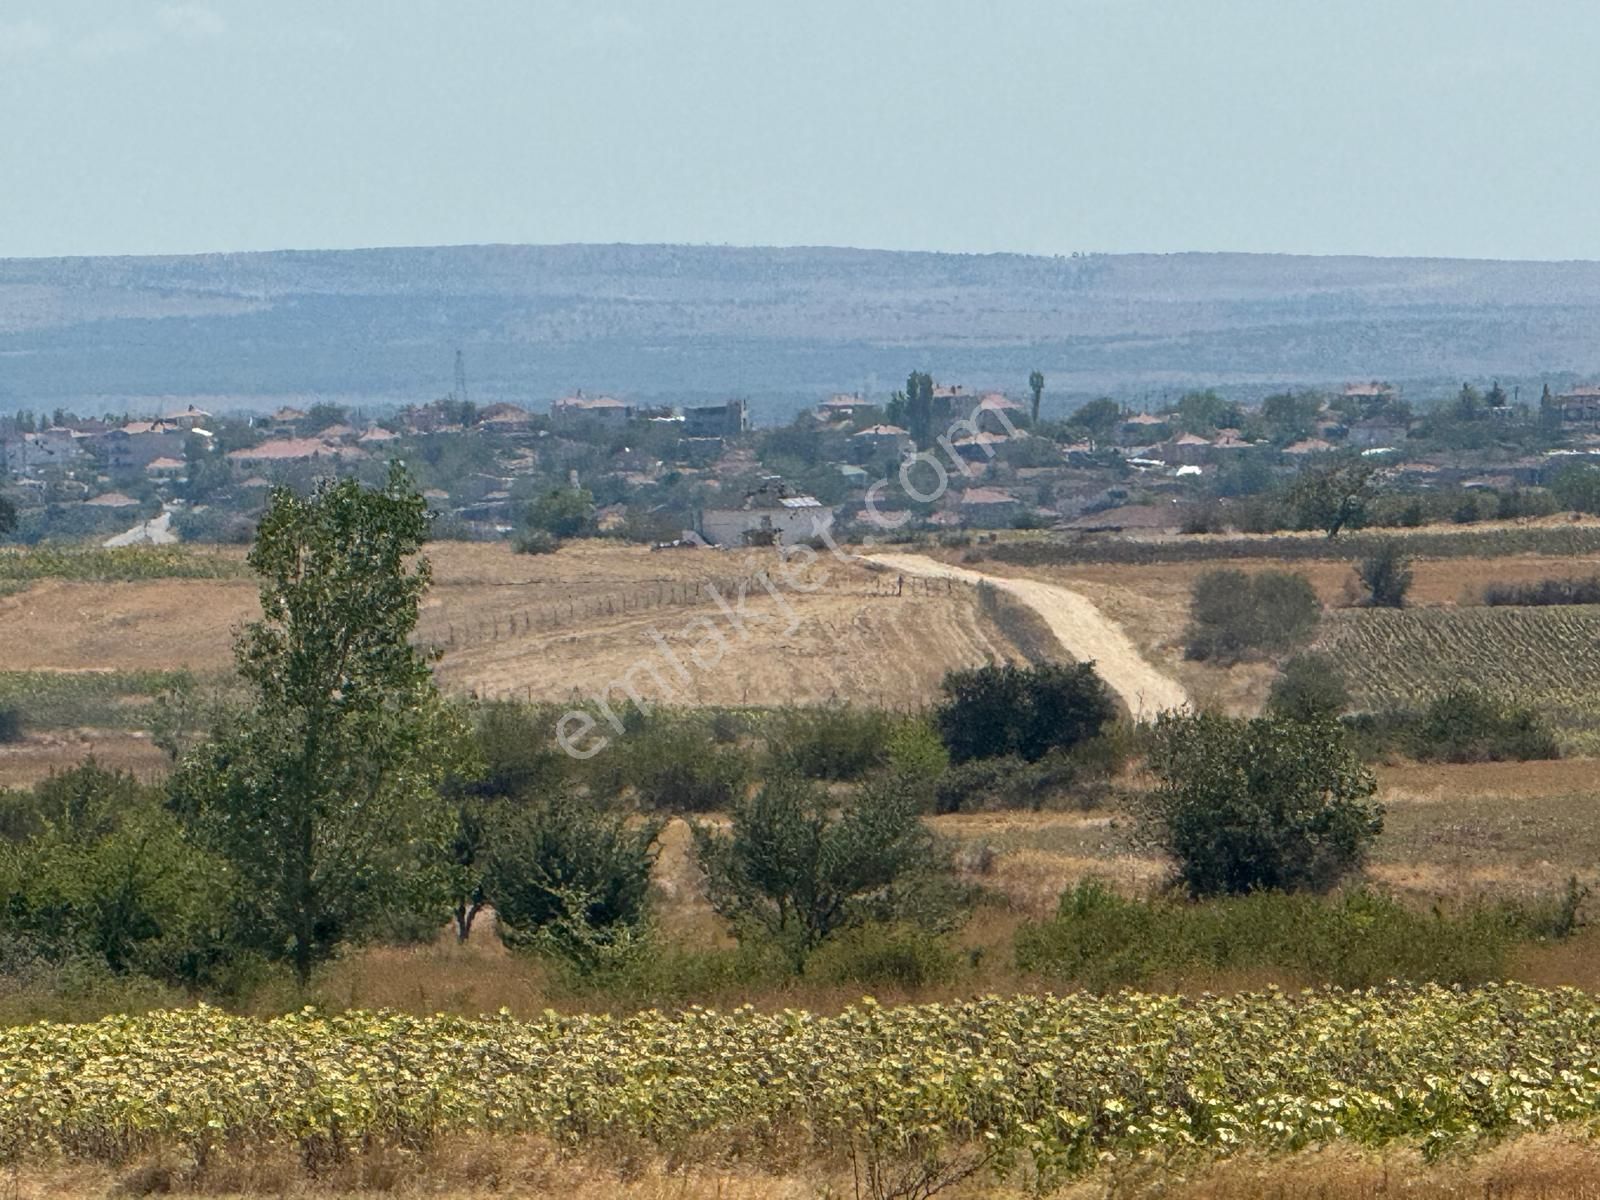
(25, 763)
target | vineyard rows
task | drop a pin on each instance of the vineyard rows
(1546, 657)
(1051, 1083)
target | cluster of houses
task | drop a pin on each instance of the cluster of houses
(985, 469)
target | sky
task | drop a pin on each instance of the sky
(1386, 127)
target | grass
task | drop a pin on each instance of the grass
(99, 564)
(78, 699)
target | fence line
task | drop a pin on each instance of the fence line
(446, 634)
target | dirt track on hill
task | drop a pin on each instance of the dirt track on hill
(1081, 628)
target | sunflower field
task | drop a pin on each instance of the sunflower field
(1045, 1085)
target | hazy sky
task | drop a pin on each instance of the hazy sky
(1434, 127)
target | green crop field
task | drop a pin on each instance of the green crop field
(1548, 658)
(1042, 1083)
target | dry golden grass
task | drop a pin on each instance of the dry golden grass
(25, 763)
(1557, 1165)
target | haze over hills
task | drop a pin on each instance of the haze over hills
(781, 326)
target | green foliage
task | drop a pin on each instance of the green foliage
(1009, 782)
(1543, 592)
(837, 742)
(1577, 489)
(536, 541)
(101, 699)
(673, 765)
(323, 795)
(562, 513)
(1103, 941)
(1098, 418)
(1386, 574)
(515, 754)
(93, 869)
(1309, 687)
(917, 759)
(1036, 392)
(798, 868)
(1465, 724)
(1233, 614)
(98, 564)
(879, 955)
(1268, 803)
(992, 711)
(563, 875)
(11, 726)
(1333, 497)
(8, 516)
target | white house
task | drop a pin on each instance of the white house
(767, 516)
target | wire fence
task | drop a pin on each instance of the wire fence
(447, 632)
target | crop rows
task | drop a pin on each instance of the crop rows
(1545, 657)
(117, 564)
(1053, 1082)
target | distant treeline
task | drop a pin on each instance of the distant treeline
(1482, 543)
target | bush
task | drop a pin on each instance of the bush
(1309, 687)
(797, 868)
(1544, 592)
(1260, 804)
(1103, 941)
(562, 513)
(833, 742)
(564, 876)
(1466, 725)
(674, 766)
(994, 711)
(10, 725)
(1233, 614)
(875, 955)
(991, 784)
(1385, 572)
(518, 757)
(536, 541)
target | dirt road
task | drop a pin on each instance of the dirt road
(1081, 628)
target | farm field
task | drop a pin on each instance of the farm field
(1036, 1088)
(544, 627)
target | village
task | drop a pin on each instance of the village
(936, 459)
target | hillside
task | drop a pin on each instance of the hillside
(782, 326)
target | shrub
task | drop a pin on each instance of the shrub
(518, 757)
(993, 711)
(536, 541)
(1260, 804)
(1544, 592)
(1466, 725)
(917, 759)
(832, 742)
(990, 784)
(675, 767)
(797, 868)
(1309, 687)
(1233, 614)
(875, 955)
(1103, 941)
(1386, 574)
(10, 725)
(561, 874)
(562, 513)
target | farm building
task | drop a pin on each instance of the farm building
(768, 515)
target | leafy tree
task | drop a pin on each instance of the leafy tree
(323, 415)
(563, 874)
(1333, 497)
(563, 513)
(323, 796)
(93, 868)
(1262, 804)
(1386, 574)
(1233, 613)
(1469, 404)
(1309, 687)
(1465, 725)
(795, 866)
(919, 407)
(1099, 418)
(1036, 387)
(1577, 488)
(991, 711)
(8, 516)
(1204, 412)
(1289, 417)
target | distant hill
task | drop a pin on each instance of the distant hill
(781, 326)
